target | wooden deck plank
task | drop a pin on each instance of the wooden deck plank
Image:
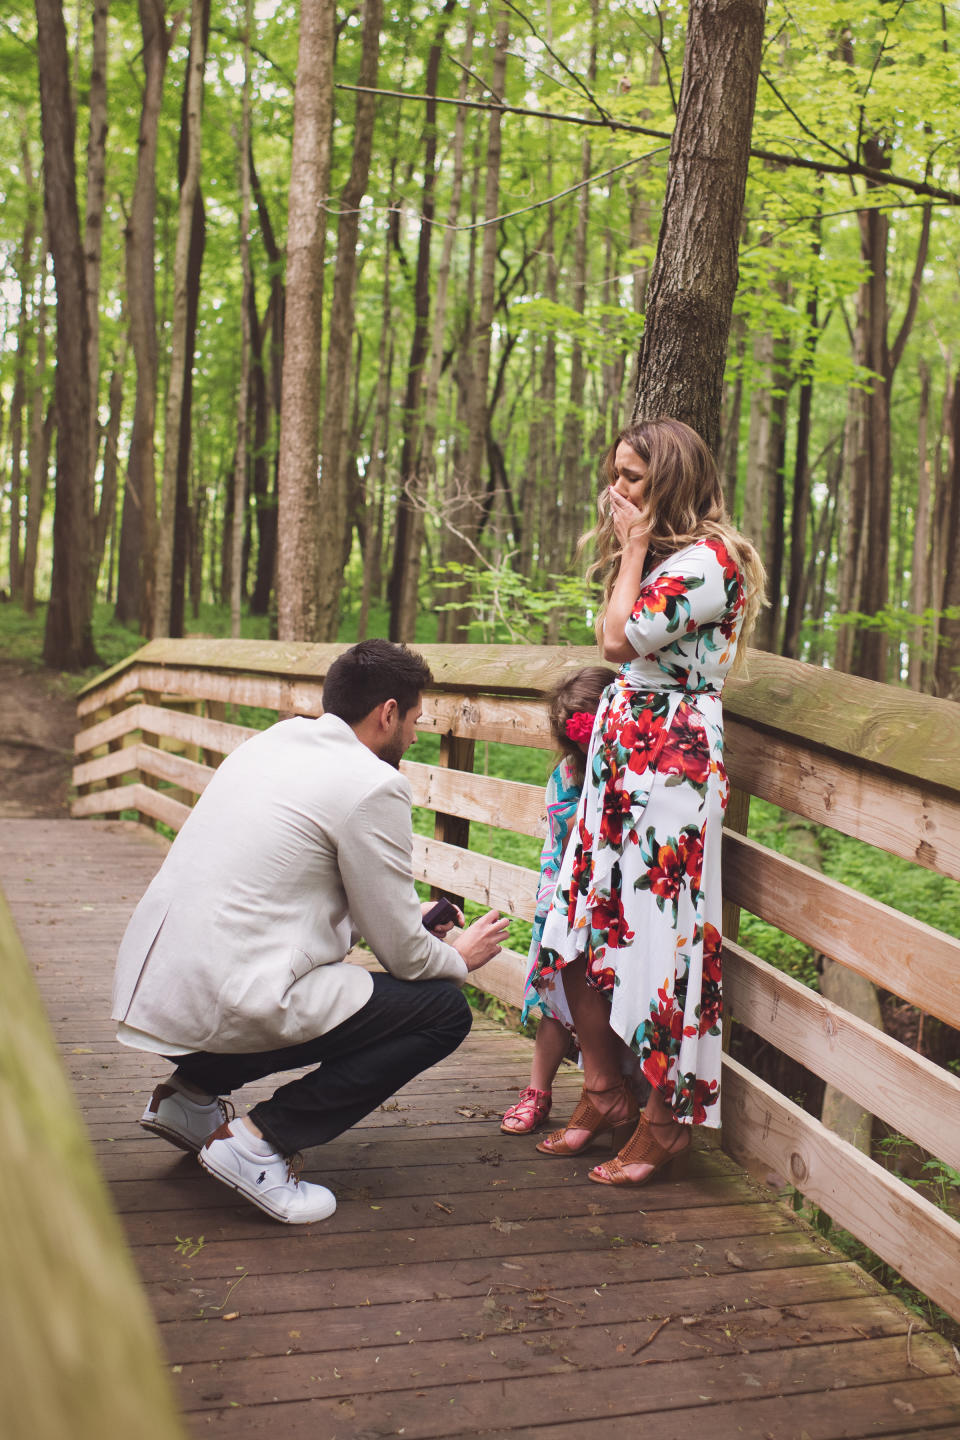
(466, 1283)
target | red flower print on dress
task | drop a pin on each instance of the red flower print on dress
(655, 597)
(687, 750)
(712, 952)
(608, 917)
(655, 1068)
(690, 855)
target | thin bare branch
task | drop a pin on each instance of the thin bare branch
(851, 168)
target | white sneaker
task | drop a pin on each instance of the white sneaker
(269, 1181)
(182, 1121)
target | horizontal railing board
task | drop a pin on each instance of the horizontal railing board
(157, 720)
(519, 669)
(161, 764)
(903, 817)
(133, 797)
(911, 1094)
(502, 977)
(882, 725)
(505, 804)
(497, 883)
(903, 955)
(764, 1130)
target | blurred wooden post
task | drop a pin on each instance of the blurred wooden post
(81, 1359)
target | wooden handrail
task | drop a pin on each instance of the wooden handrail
(81, 1359)
(871, 761)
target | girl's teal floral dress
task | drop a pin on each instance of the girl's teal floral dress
(561, 798)
(639, 891)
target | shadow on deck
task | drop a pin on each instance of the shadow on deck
(466, 1283)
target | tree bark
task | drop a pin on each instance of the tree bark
(333, 522)
(694, 280)
(408, 543)
(68, 636)
(179, 357)
(135, 580)
(269, 363)
(106, 510)
(920, 597)
(38, 445)
(246, 305)
(93, 218)
(467, 511)
(299, 504)
(947, 671)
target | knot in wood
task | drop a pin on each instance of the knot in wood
(798, 1167)
(469, 713)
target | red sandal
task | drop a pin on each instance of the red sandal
(528, 1114)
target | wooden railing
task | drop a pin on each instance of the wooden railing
(81, 1358)
(870, 761)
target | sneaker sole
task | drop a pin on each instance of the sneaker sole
(258, 1200)
(174, 1137)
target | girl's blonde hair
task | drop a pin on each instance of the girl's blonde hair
(579, 692)
(686, 502)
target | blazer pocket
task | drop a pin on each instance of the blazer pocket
(300, 964)
(135, 947)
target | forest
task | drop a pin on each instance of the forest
(326, 314)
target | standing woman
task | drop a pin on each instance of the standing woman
(633, 934)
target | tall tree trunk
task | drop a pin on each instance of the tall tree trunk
(763, 509)
(38, 456)
(246, 305)
(408, 539)
(376, 473)
(920, 597)
(268, 377)
(469, 512)
(68, 636)
(25, 279)
(298, 560)
(947, 671)
(106, 510)
(93, 217)
(135, 580)
(690, 298)
(179, 357)
(333, 482)
(868, 507)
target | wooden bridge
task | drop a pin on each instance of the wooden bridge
(468, 1284)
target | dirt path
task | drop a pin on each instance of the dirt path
(38, 718)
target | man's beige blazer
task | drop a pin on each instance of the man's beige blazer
(301, 843)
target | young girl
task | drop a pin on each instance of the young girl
(573, 706)
(633, 933)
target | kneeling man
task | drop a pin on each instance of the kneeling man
(233, 964)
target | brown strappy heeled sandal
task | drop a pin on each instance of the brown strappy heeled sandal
(587, 1117)
(642, 1149)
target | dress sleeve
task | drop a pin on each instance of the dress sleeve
(698, 587)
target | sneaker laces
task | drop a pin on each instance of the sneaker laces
(228, 1111)
(294, 1167)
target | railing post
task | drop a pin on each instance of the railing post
(736, 818)
(456, 753)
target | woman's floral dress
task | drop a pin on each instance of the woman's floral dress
(562, 794)
(639, 891)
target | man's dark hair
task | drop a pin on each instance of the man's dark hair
(370, 673)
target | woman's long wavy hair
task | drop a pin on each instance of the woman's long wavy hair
(686, 500)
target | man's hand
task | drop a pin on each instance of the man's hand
(482, 940)
(442, 930)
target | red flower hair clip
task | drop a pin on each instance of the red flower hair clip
(579, 727)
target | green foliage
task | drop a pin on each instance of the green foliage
(510, 608)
